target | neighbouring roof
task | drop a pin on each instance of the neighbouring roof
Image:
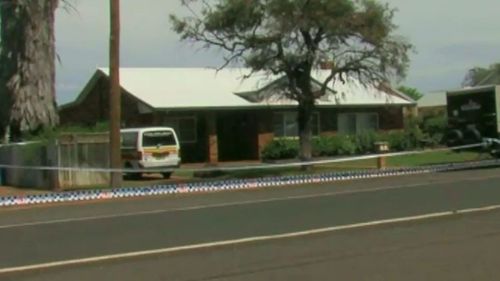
(432, 99)
(492, 79)
(477, 89)
(182, 88)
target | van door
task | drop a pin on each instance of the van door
(160, 146)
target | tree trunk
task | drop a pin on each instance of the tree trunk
(305, 113)
(27, 72)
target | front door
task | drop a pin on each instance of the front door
(237, 136)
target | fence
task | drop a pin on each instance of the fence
(75, 150)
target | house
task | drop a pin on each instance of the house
(432, 104)
(223, 116)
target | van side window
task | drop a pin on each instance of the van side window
(129, 140)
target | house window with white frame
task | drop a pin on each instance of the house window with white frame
(355, 123)
(286, 125)
(184, 127)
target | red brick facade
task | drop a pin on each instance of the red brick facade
(221, 135)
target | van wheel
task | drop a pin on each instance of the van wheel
(135, 176)
(166, 175)
(131, 176)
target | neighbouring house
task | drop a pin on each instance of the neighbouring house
(493, 78)
(432, 104)
(223, 116)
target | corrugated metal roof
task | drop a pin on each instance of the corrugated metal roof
(207, 88)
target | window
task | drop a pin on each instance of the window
(285, 124)
(347, 124)
(185, 127)
(129, 140)
(355, 123)
(158, 138)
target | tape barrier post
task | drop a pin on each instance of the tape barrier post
(381, 147)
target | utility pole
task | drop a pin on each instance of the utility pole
(115, 94)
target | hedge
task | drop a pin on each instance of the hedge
(344, 145)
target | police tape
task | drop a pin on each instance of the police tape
(241, 168)
(233, 184)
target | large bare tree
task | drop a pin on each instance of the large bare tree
(27, 66)
(293, 37)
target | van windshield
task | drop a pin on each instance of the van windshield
(158, 138)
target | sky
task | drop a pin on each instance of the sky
(450, 37)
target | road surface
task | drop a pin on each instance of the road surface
(144, 239)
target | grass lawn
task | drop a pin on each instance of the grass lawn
(431, 158)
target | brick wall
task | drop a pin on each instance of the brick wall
(95, 109)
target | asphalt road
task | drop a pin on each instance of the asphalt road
(462, 247)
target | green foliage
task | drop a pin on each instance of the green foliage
(334, 146)
(346, 145)
(434, 128)
(292, 38)
(411, 138)
(281, 149)
(397, 140)
(413, 93)
(46, 135)
(288, 36)
(413, 133)
(325, 146)
(365, 142)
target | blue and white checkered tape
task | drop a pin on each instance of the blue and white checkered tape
(126, 192)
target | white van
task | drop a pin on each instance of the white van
(150, 148)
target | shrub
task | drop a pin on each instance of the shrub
(365, 142)
(334, 146)
(346, 145)
(50, 134)
(321, 147)
(397, 141)
(434, 128)
(281, 149)
(324, 146)
(413, 133)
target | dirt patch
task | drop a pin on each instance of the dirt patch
(11, 191)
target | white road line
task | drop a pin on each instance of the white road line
(241, 203)
(243, 240)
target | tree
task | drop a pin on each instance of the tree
(294, 37)
(27, 67)
(478, 76)
(413, 93)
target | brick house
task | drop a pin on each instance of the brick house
(220, 116)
